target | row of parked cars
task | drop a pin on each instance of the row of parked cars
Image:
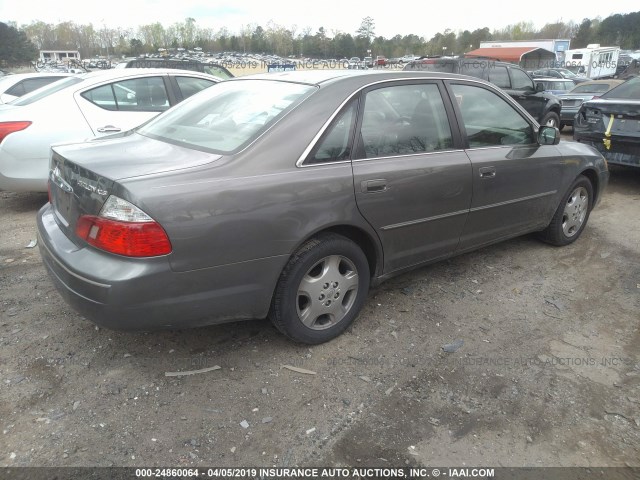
(603, 113)
(283, 195)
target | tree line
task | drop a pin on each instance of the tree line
(91, 40)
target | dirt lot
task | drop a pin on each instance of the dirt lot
(549, 372)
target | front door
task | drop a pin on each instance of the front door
(515, 180)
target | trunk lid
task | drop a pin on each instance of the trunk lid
(83, 175)
(617, 117)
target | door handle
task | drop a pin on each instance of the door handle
(109, 129)
(373, 186)
(487, 172)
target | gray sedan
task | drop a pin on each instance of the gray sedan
(287, 195)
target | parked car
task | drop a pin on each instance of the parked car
(544, 107)
(611, 123)
(355, 64)
(408, 58)
(583, 92)
(19, 84)
(381, 60)
(83, 107)
(559, 73)
(211, 68)
(555, 86)
(368, 62)
(240, 203)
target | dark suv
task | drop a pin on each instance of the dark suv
(542, 106)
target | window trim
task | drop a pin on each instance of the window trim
(455, 138)
(512, 103)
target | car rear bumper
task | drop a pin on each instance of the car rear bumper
(621, 151)
(23, 175)
(145, 294)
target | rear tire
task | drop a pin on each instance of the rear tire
(571, 215)
(551, 119)
(321, 290)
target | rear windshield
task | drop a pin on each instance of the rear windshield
(593, 88)
(43, 92)
(629, 90)
(227, 117)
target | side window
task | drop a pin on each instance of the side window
(520, 80)
(137, 95)
(499, 77)
(404, 120)
(334, 146)
(490, 120)
(190, 85)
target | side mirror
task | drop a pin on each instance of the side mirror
(548, 135)
(539, 87)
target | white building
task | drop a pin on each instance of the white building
(59, 55)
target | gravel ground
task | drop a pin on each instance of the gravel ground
(544, 368)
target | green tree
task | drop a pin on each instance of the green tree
(16, 47)
(367, 29)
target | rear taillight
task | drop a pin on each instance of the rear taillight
(124, 229)
(7, 128)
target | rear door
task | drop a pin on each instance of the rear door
(515, 180)
(121, 105)
(412, 181)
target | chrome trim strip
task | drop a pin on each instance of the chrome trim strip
(423, 220)
(517, 200)
(461, 212)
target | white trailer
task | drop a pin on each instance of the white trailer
(593, 62)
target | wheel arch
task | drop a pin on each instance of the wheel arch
(365, 240)
(592, 176)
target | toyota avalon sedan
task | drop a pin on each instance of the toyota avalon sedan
(287, 195)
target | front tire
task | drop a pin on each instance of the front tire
(321, 290)
(572, 214)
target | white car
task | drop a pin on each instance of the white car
(83, 107)
(19, 84)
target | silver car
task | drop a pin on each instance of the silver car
(82, 107)
(287, 195)
(583, 92)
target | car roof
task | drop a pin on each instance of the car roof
(38, 74)
(130, 72)
(318, 77)
(552, 79)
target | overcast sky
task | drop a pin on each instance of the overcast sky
(391, 18)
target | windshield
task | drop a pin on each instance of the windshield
(566, 73)
(43, 92)
(228, 117)
(629, 90)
